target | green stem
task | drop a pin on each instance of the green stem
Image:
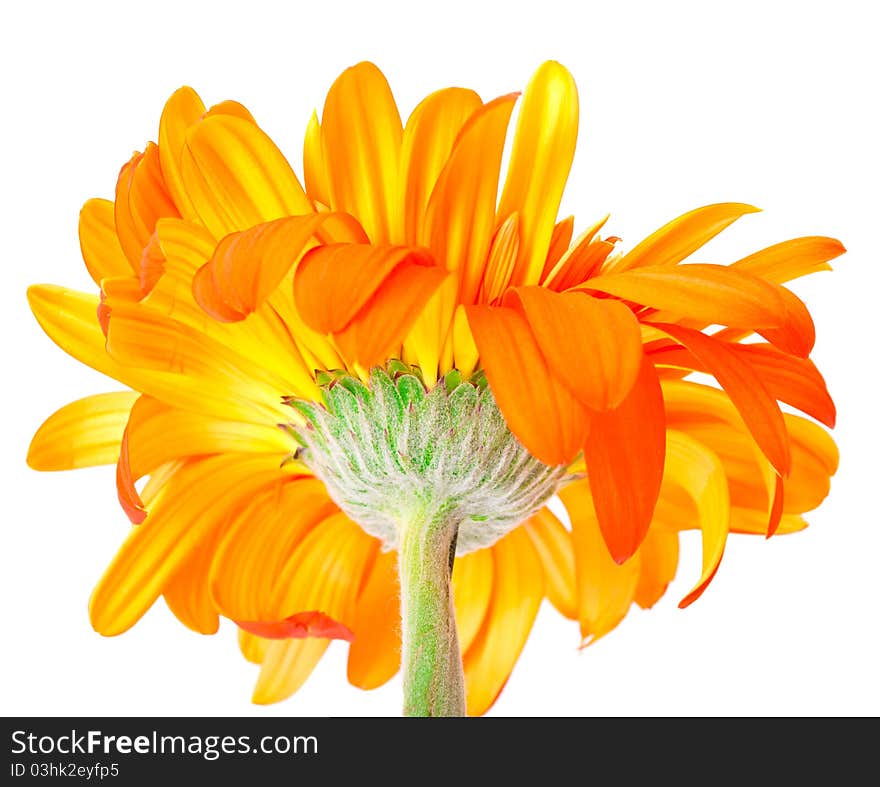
(433, 676)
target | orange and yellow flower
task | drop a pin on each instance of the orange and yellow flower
(224, 283)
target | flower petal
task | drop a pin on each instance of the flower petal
(579, 262)
(592, 345)
(247, 266)
(605, 589)
(473, 576)
(182, 110)
(299, 626)
(428, 139)
(624, 453)
(743, 385)
(552, 543)
(792, 258)
(374, 655)
(543, 149)
(177, 524)
(286, 666)
(461, 210)
(258, 542)
(539, 410)
(236, 177)
(84, 433)
(361, 132)
(658, 561)
(99, 242)
(517, 592)
(696, 470)
(681, 237)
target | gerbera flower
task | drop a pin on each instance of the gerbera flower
(341, 389)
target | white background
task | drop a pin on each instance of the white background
(682, 104)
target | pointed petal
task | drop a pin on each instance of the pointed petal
(553, 545)
(428, 137)
(236, 177)
(361, 133)
(517, 592)
(579, 262)
(543, 149)
(99, 242)
(177, 524)
(605, 589)
(501, 260)
(317, 187)
(473, 576)
(257, 544)
(624, 453)
(681, 237)
(592, 345)
(182, 110)
(374, 656)
(560, 240)
(743, 385)
(431, 329)
(792, 258)
(286, 666)
(247, 266)
(84, 433)
(696, 470)
(461, 210)
(658, 561)
(367, 296)
(540, 411)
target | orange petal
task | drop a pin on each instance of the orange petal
(258, 542)
(539, 410)
(592, 345)
(708, 293)
(182, 110)
(461, 210)
(578, 263)
(543, 149)
(84, 433)
(188, 592)
(179, 521)
(142, 198)
(605, 589)
(126, 493)
(428, 139)
(742, 383)
(552, 543)
(473, 576)
(299, 626)
(658, 561)
(501, 260)
(792, 258)
(374, 655)
(247, 266)
(99, 242)
(367, 296)
(560, 240)
(236, 177)
(517, 592)
(624, 453)
(361, 133)
(681, 237)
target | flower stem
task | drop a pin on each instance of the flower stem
(433, 676)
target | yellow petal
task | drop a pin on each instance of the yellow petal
(605, 590)
(658, 561)
(516, 596)
(361, 132)
(681, 237)
(182, 110)
(83, 433)
(178, 522)
(99, 242)
(428, 139)
(315, 174)
(552, 543)
(236, 177)
(543, 150)
(472, 577)
(252, 647)
(286, 666)
(188, 592)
